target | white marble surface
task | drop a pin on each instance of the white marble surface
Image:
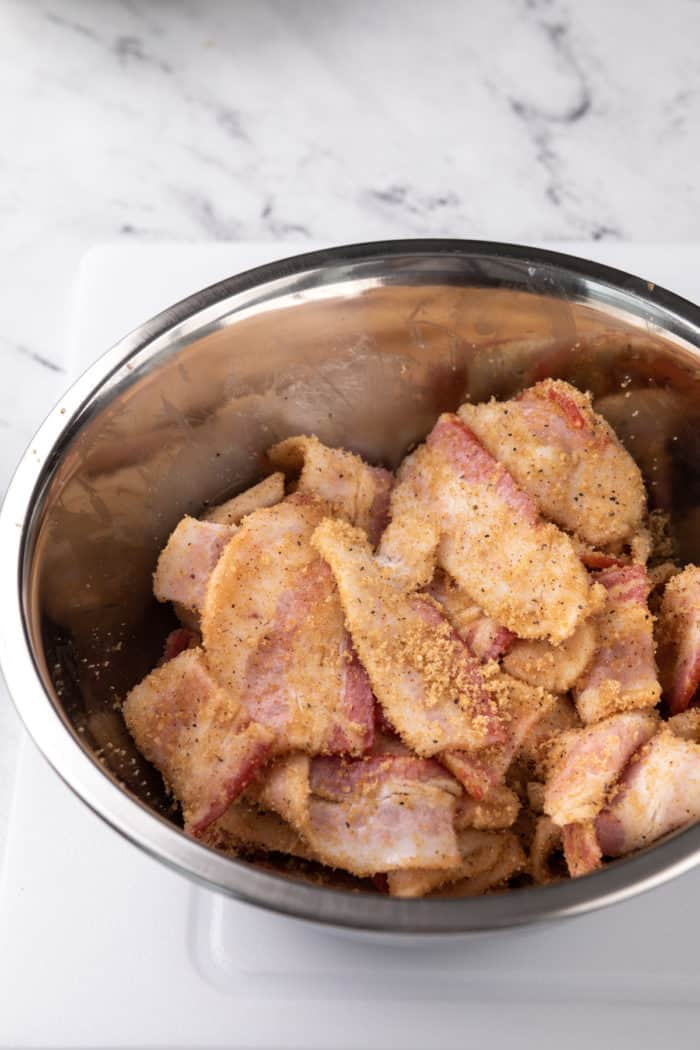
(323, 120)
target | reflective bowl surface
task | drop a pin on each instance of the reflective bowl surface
(364, 346)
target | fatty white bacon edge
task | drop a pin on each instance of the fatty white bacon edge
(567, 457)
(195, 546)
(355, 490)
(487, 534)
(188, 560)
(266, 493)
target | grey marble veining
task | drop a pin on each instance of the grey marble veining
(145, 120)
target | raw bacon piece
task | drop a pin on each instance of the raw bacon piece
(555, 667)
(521, 706)
(354, 489)
(622, 675)
(585, 763)
(658, 793)
(197, 735)
(369, 815)
(523, 572)
(479, 852)
(275, 636)
(678, 634)
(581, 848)
(428, 683)
(487, 639)
(265, 494)
(187, 561)
(566, 457)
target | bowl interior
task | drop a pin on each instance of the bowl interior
(363, 351)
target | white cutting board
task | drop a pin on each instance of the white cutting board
(102, 947)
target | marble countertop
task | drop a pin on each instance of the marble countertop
(321, 120)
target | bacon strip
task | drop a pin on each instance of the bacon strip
(585, 763)
(658, 793)
(679, 639)
(424, 677)
(195, 733)
(523, 572)
(265, 494)
(352, 487)
(378, 814)
(622, 675)
(581, 848)
(275, 636)
(521, 706)
(187, 561)
(566, 457)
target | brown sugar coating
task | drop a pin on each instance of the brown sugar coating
(566, 457)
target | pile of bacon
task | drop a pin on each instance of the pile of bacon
(443, 679)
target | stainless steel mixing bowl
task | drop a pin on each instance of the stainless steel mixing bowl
(364, 346)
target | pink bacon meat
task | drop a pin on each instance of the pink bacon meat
(194, 732)
(622, 675)
(679, 639)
